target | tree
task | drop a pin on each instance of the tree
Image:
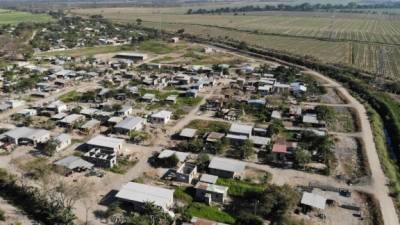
(139, 21)
(302, 157)
(325, 113)
(51, 147)
(202, 161)
(275, 128)
(246, 149)
(277, 202)
(170, 161)
(248, 219)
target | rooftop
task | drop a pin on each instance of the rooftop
(103, 141)
(226, 164)
(313, 200)
(130, 123)
(188, 132)
(145, 193)
(168, 153)
(241, 129)
(73, 162)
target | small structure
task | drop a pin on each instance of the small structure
(125, 111)
(182, 156)
(313, 200)
(241, 129)
(27, 112)
(172, 98)
(132, 56)
(185, 173)
(149, 97)
(188, 133)
(174, 39)
(276, 115)
(57, 107)
(227, 168)
(71, 120)
(140, 194)
(74, 163)
(260, 141)
(211, 192)
(108, 144)
(64, 140)
(90, 126)
(161, 117)
(130, 124)
(207, 178)
(214, 137)
(25, 135)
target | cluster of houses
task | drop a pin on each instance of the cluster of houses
(186, 172)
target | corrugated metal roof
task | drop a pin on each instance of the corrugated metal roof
(103, 141)
(145, 193)
(313, 200)
(227, 164)
(130, 123)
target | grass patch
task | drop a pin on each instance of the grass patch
(390, 166)
(205, 126)
(157, 47)
(240, 188)
(182, 195)
(71, 96)
(2, 215)
(209, 212)
(123, 165)
(89, 51)
(189, 101)
(15, 17)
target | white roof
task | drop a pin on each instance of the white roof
(90, 124)
(211, 187)
(208, 178)
(168, 153)
(130, 123)
(63, 137)
(25, 132)
(276, 114)
(241, 128)
(172, 98)
(103, 141)
(188, 132)
(145, 193)
(71, 118)
(162, 114)
(313, 200)
(236, 137)
(227, 164)
(88, 111)
(72, 162)
(310, 118)
(260, 140)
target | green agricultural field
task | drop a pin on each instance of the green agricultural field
(366, 41)
(14, 17)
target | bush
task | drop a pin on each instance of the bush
(2, 215)
(182, 195)
(249, 219)
(239, 188)
(168, 162)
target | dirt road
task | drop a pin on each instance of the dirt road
(379, 182)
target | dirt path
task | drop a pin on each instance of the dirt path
(13, 215)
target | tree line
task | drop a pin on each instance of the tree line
(305, 7)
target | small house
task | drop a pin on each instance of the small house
(129, 124)
(161, 117)
(226, 168)
(209, 193)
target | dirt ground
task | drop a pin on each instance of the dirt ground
(331, 97)
(349, 160)
(344, 121)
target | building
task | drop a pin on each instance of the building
(185, 173)
(64, 140)
(207, 178)
(313, 200)
(227, 168)
(182, 156)
(108, 144)
(161, 117)
(27, 112)
(132, 56)
(57, 107)
(140, 194)
(101, 158)
(174, 39)
(125, 111)
(25, 135)
(188, 133)
(149, 98)
(241, 129)
(90, 126)
(73, 163)
(130, 124)
(209, 193)
(172, 98)
(71, 120)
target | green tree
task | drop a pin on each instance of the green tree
(248, 219)
(325, 113)
(171, 161)
(277, 202)
(2, 215)
(51, 147)
(139, 21)
(275, 128)
(246, 149)
(302, 157)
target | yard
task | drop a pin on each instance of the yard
(15, 17)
